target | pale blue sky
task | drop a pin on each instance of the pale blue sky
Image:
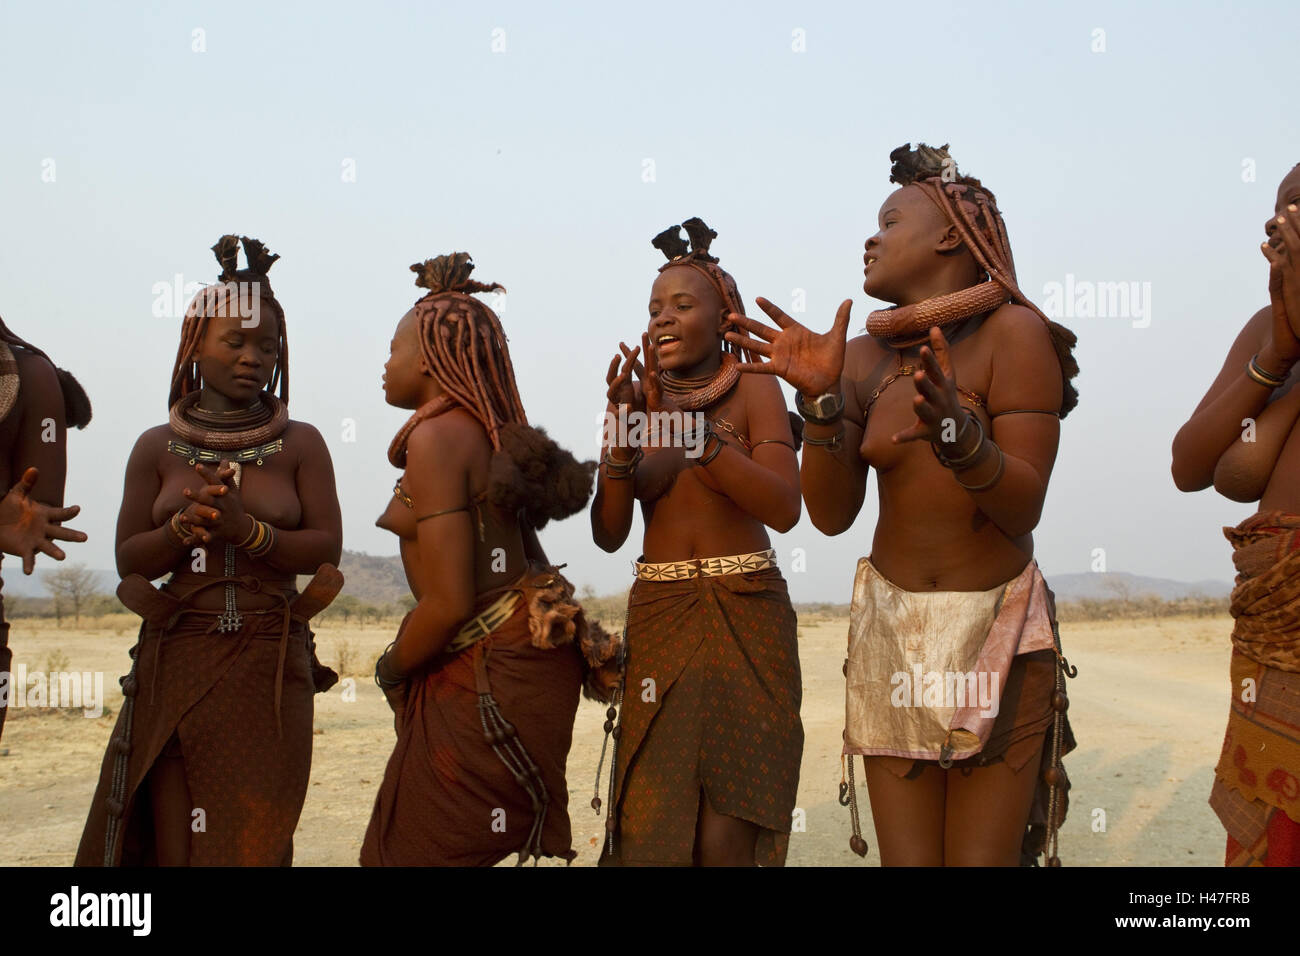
(1122, 165)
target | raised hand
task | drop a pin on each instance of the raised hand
(656, 399)
(621, 390)
(1284, 286)
(811, 362)
(217, 512)
(936, 401)
(28, 526)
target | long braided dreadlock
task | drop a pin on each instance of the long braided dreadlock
(972, 209)
(76, 402)
(465, 347)
(225, 298)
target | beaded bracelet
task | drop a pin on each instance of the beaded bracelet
(178, 527)
(832, 444)
(1260, 376)
(252, 535)
(956, 464)
(997, 475)
(383, 683)
(698, 437)
(620, 469)
(708, 456)
(265, 542)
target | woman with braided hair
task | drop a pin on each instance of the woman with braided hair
(1256, 791)
(955, 690)
(709, 740)
(37, 404)
(210, 757)
(484, 675)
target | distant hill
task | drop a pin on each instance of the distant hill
(380, 580)
(369, 578)
(1120, 585)
(374, 579)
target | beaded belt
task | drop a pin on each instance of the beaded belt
(480, 627)
(706, 567)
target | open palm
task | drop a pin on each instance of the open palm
(812, 362)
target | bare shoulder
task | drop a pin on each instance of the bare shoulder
(761, 388)
(152, 443)
(454, 435)
(862, 353)
(40, 384)
(309, 435)
(1016, 323)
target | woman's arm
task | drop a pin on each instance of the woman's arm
(765, 483)
(141, 548)
(1017, 456)
(834, 482)
(611, 510)
(1245, 468)
(1217, 421)
(318, 539)
(438, 459)
(41, 439)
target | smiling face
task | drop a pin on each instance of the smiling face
(686, 322)
(407, 382)
(238, 353)
(1288, 194)
(904, 252)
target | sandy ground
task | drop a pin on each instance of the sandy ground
(1149, 708)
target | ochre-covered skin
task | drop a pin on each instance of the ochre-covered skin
(695, 510)
(258, 681)
(447, 797)
(932, 534)
(1242, 438)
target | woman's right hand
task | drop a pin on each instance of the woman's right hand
(28, 526)
(811, 362)
(621, 390)
(1284, 289)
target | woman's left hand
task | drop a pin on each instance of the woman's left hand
(938, 410)
(231, 523)
(656, 399)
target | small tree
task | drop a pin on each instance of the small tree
(76, 585)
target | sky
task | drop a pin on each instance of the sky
(1126, 143)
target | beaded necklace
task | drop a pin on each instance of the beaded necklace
(236, 437)
(702, 391)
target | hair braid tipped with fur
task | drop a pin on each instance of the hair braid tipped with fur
(465, 348)
(464, 345)
(972, 209)
(76, 403)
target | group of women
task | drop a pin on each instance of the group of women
(955, 677)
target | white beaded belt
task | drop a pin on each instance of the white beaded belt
(474, 630)
(706, 567)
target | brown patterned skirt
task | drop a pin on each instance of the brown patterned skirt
(711, 706)
(246, 740)
(447, 799)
